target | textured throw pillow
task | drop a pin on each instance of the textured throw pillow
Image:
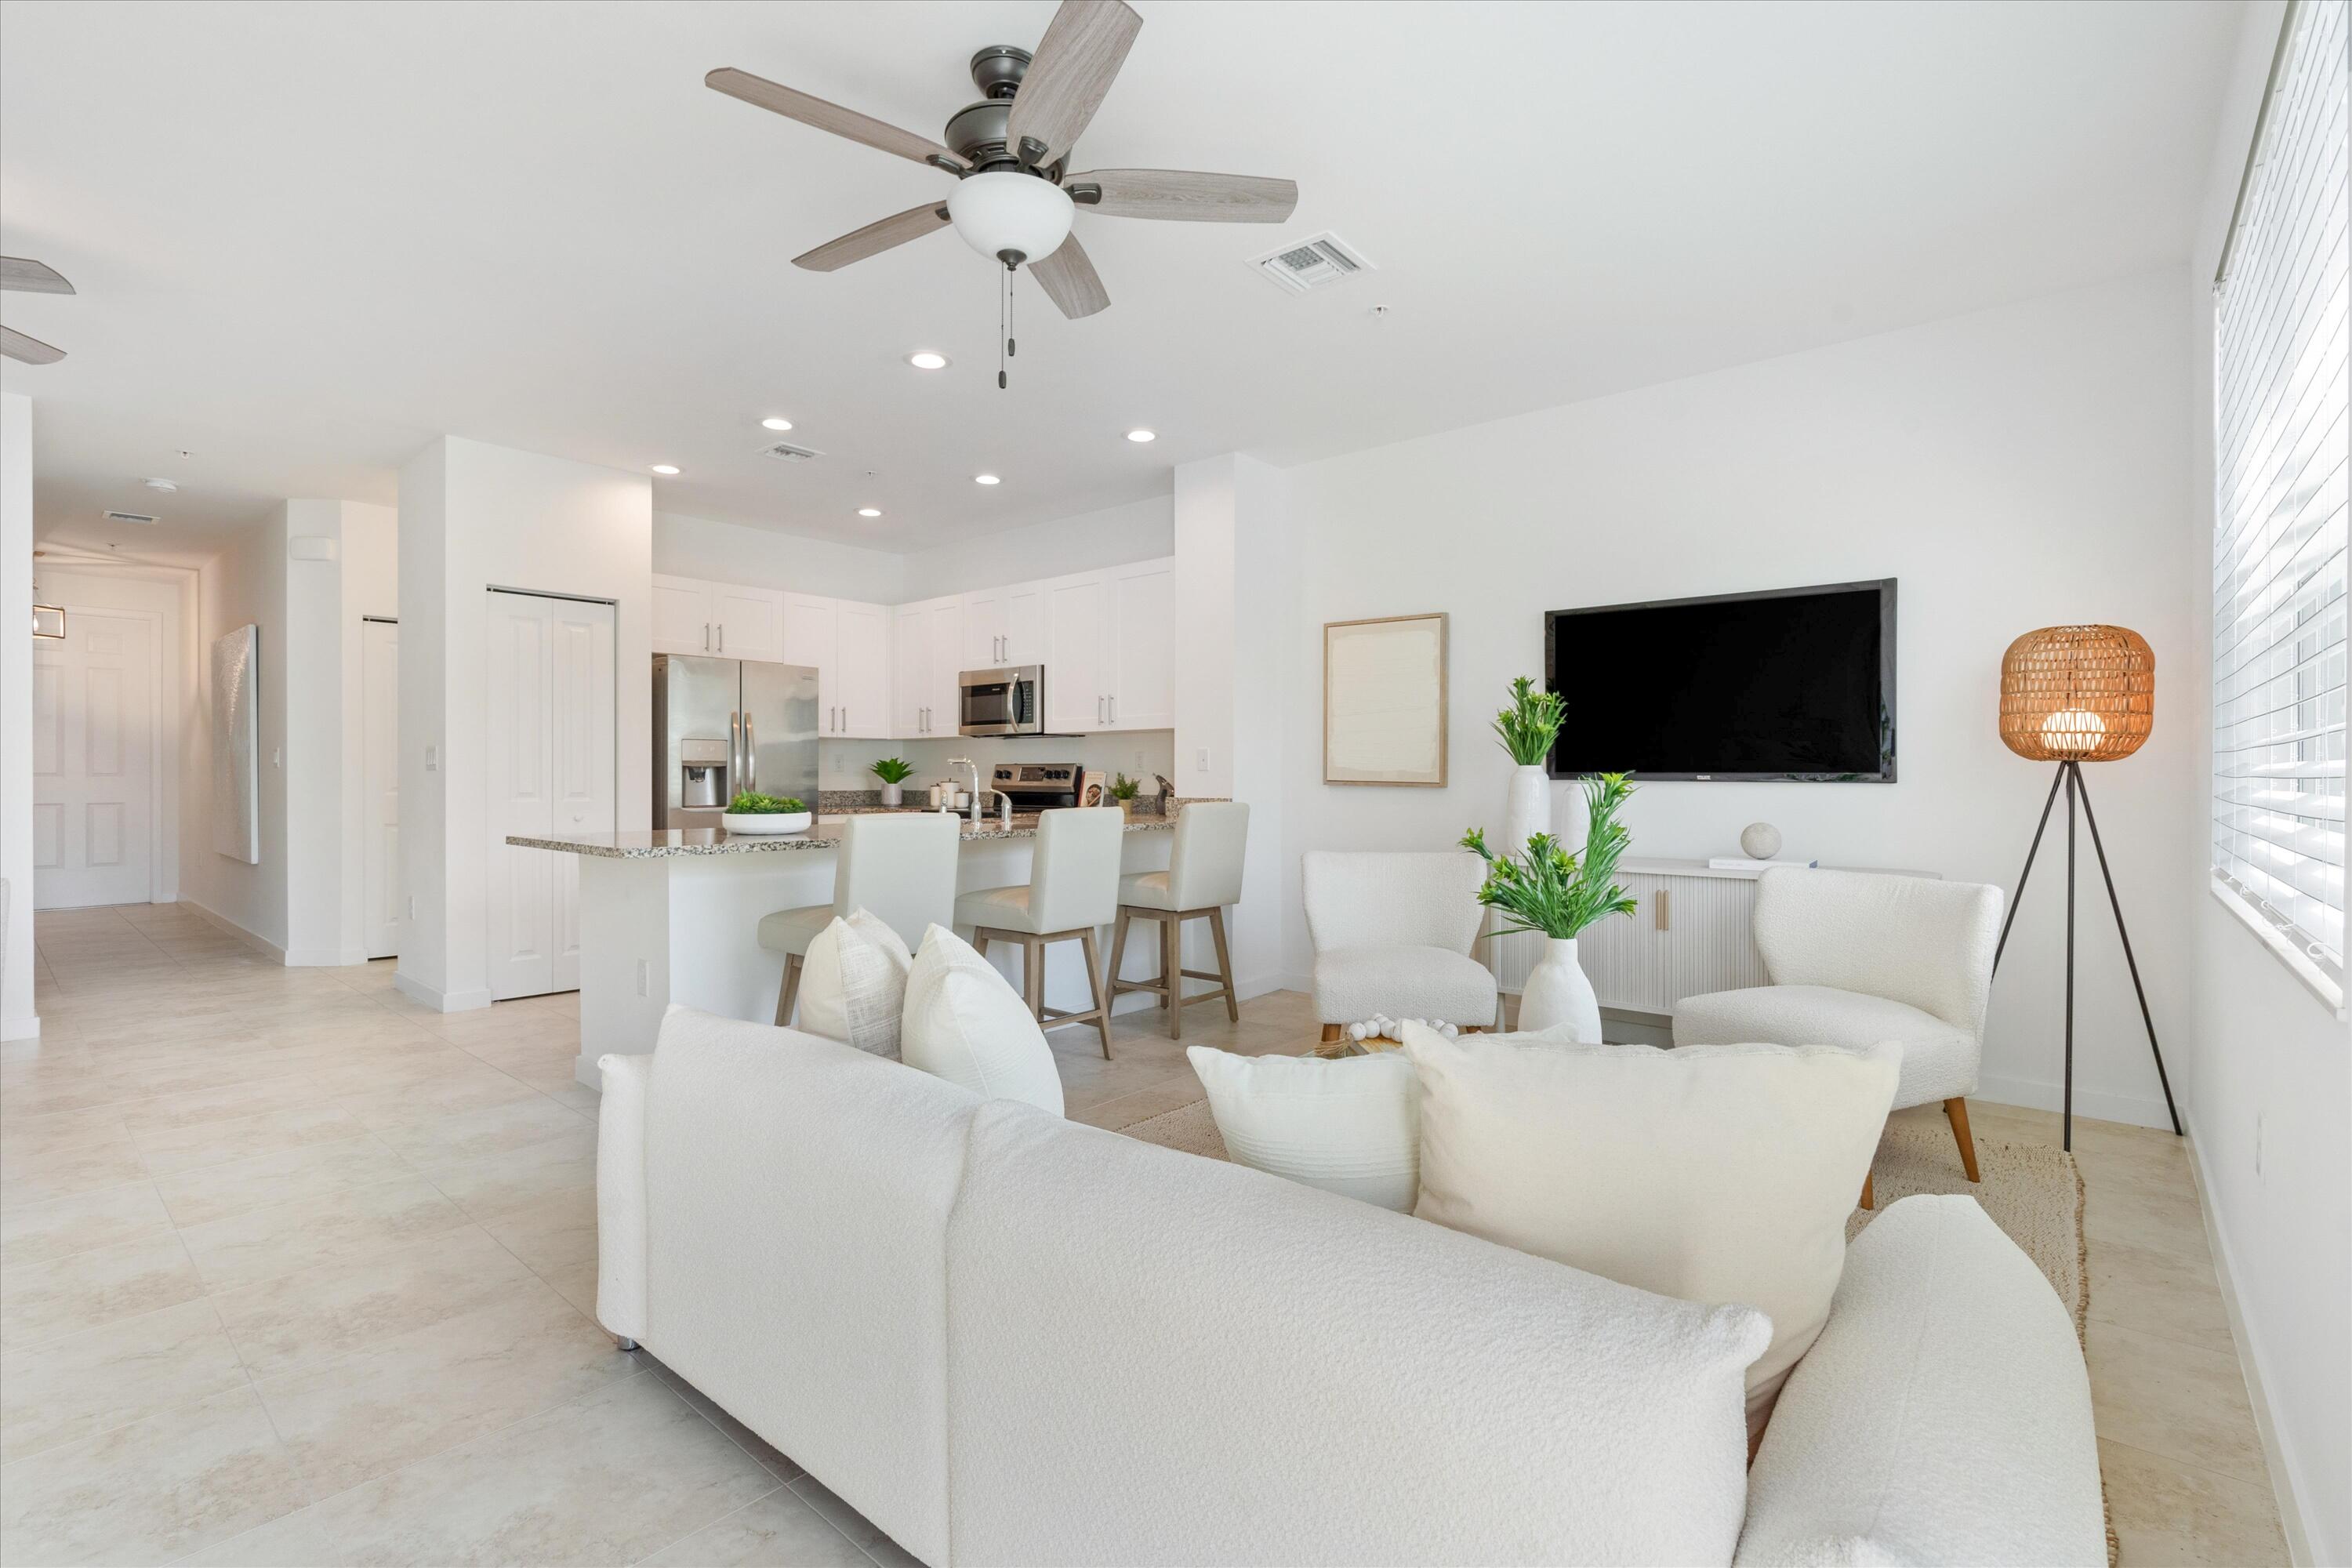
(1714, 1174)
(964, 1024)
(854, 983)
(1349, 1126)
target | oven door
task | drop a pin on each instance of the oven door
(1001, 701)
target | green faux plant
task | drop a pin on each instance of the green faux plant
(1531, 723)
(893, 769)
(750, 805)
(1548, 889)
(1122, 787)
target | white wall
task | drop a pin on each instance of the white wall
(245, 583)
(2264, 1065)
(1140, 530)
(18, 1020)
(2014, 468)
(474, 517)
(763, 558)
(310, 664)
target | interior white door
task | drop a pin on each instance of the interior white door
(381, 893)
(1077, 699)
(685, 615)
(93, 762)
(550, 685)
(1140, 647)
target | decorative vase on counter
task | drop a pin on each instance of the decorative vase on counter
(892, 794)
(1557, 992)
(1526, 809)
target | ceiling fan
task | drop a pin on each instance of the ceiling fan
(1010, 152)
(33, 277)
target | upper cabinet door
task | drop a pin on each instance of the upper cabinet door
(1023, 624)
(751, 623)
(909, 668)
(943, 697)
(811, 629)
(862, 685)
(685, 618)
(1077, 698)
(983, 630)
(1140, 647)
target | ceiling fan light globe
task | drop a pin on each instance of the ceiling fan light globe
(1003, 211)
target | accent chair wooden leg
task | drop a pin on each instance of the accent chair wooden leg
(1867, 1182)
(1102, 997)
(1330, 1033)
(1172, 972)
(1033, 978)
(1224, 965)
(1955, 1111)
(789, 990)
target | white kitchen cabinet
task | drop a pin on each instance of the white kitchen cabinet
(848, 643)
(1076, 698)
(929, 654)
(1140, 647)
(682, 615)
(1004, 627)
(722, 619)
(751, 623)
(910, 660)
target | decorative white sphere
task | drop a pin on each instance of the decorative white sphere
(1760, 840)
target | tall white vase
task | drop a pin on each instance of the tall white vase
(1526, 809)
(1557, 992)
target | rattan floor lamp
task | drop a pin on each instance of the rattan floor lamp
(2072, 695)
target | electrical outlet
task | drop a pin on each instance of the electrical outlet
(840, 764)
(644, 976)
(432, 759)
(1201, 760)
(411, 908)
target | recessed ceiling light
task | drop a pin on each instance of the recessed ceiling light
(1143, 435)
(665, 468)
(869, 511)
(924, 359)
(985, 479)
(777, 424)
(166, 486)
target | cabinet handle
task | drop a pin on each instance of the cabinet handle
(706, 637)
(722, 636)
(1659, 902)
(1098, 718)
(1114, 708)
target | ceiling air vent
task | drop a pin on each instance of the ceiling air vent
(785, 452)
(1315, 262)
(138, 517)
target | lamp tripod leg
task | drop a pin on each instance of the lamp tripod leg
(2066, 1135)
(2018, 897)
(2139, 990)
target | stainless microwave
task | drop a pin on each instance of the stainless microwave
(1003, 701)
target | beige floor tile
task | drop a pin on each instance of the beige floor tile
(550, 1234)
(302, 1320)
(310, 1234)
(52, 1157)
(576, 1283)
(228, 1102)
(90, 1382)
(472, 1087)
(217, 1191)
(862, 1532)
(171, 1149)
(779, 1530)
(517, 1178)
(2177, 1401)
(2166, 1513)
(299, 1540)
(476, 1134)
(609, 1479)
(107, 1217)
(59, 1296)
(1126, 1108)
(150, 1491)
(2160, 1292)
(771, 1458)
(413, 1396)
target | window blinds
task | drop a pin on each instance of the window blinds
(2280, 453)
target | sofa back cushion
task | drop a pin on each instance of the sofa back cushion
(1914, 940)
(798, 1192)
(1156, 1358)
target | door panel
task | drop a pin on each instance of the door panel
(751, 623)
(93, 762)
(1024, 623)
(581, 753)
(983, 630)
(380, 897)
(862, 681)
(943, 700)
(1074, 694)
(1141, 648)
(685, 617)
(810, 635)
(909, 663)
(521, 881)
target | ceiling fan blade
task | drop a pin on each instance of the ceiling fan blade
(1070, 280)
(875, 238)
(1186, 198)
(31, 351)
(816, 111)
(33, 277)
(1076, 59)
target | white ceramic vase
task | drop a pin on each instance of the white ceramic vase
(1557, 992)
(1526, 810)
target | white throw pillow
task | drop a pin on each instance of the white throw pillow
(964, 1024)
(1714, 1174)
(854, 983)
(1349, 1126)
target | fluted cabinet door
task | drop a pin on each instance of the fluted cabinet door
(1714, 939)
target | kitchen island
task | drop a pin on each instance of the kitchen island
(673, 915)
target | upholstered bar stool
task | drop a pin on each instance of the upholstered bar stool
(1204, 875)
(901, 869)
(1073, 888)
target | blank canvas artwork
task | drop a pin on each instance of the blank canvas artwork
(236, 789)
(1385, 701)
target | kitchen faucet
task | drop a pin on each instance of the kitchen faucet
(976, 811)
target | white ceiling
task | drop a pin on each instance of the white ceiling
(308, 237)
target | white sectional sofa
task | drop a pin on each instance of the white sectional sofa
(1009, 1339)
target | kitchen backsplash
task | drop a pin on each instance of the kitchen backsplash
(1139, 753)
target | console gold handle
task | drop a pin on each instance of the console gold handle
(1658, 901)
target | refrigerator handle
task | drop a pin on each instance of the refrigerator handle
(750, 755)
(735, 784)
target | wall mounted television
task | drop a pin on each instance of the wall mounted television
(1791, 684)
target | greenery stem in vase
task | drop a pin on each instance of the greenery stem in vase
(1551, 889)
(1531, 723)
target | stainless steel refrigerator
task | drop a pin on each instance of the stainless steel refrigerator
(723, 726)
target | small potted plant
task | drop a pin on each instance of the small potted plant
(1550, 891)
(1122, 790)
(749, 813)
(893, 771)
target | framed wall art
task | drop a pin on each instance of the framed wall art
(1385, 701)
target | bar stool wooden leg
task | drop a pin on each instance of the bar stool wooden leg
(1119, 945)
(1033, 977)
(1094, 981)
(791, 988)
(1172, 971)
(1224, 965)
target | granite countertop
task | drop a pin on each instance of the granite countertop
(825, 833)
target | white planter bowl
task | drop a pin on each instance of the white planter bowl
(766, 822)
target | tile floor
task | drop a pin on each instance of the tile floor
(294, 1271)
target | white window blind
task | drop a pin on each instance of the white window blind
(2280, 453)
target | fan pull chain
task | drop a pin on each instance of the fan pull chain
(1003, 326)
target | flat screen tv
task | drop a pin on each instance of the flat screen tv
(1797, 683)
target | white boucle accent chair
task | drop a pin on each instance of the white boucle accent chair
(1856, 958)
(1005, 1338)
(1392, 934)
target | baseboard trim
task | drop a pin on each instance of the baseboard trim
(417, 991)
(220, 921)
(2035, 1095)
(318, 958)
(28, 1028)
(2286, 1482)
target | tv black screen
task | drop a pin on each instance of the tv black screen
(1793, 684)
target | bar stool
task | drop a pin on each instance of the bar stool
(1204, 875)
(900, 867)
(1072, 888)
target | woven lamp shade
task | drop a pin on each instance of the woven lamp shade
(2083, 694)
